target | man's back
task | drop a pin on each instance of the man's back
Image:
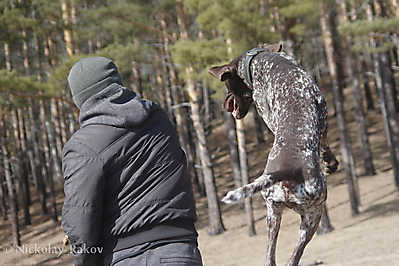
(125, 177)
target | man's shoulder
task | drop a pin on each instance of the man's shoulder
(93, 139)
(78, 145)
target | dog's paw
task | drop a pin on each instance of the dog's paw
(65, 241)
(331, 166)
(330, 163)
(233, 196)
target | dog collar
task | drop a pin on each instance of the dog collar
(247, 61)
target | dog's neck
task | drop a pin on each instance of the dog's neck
(244, 66)
(241, 69)
(245, 60)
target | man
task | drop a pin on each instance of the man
(128, 200)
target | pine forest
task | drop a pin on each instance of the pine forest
(163, 49)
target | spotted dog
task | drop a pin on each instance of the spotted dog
(295, 111)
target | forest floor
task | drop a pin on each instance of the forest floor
(371, 238)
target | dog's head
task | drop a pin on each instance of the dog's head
(239, 94)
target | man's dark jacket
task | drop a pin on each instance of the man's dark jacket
(125, 177)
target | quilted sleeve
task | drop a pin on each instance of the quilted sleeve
(82, 212)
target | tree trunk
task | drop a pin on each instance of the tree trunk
(181, 20)
(181, 115)
(240, 130)
(353, 75)
(36, 164)
(197, 165)
(25, 52)
(49, 52)
(71, 114)
(166, 83)
(7, 55)
(39, 65)
(274, 16)
(240, 126)
(3, 207)
(346, 148)
(68, 37)
(29, 144)
(161, 86)
(53, 164)
(362, 66)
(55, 121)
(395, 7)
(230, 128)
(20, 173)
(22, 153)
(215, 217)
(18, 167)
(62, 123)
(44, 136)
(383, 75)
(54, 214)
(74, 21)
(325, 224)
(53, 158)
(137, 85)
(12, 198)
(207, 107)
(386, 61)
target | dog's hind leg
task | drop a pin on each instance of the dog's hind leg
(273, 221)
(309, 222)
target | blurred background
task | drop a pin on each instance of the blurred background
(163, 50)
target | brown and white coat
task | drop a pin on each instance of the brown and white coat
(295, 111)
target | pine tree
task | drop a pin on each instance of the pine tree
(11, 194)
(232, 29)
(353, 76)
(193, 56)
(346, 148)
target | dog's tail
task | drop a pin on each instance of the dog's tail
(246, 191)
(263, 182)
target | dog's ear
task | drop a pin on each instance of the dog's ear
(274, 48)
(222, 72)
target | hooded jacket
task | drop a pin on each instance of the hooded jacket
(125, 177)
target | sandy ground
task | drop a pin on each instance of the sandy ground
(371, 238)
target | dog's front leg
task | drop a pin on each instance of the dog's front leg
(309, 223)
(273, 221)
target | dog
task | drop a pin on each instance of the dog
(295, 111)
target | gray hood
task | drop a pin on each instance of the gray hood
(90, 76)
(116, 106)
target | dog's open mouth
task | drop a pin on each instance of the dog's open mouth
(236, 106)
(231, 105)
